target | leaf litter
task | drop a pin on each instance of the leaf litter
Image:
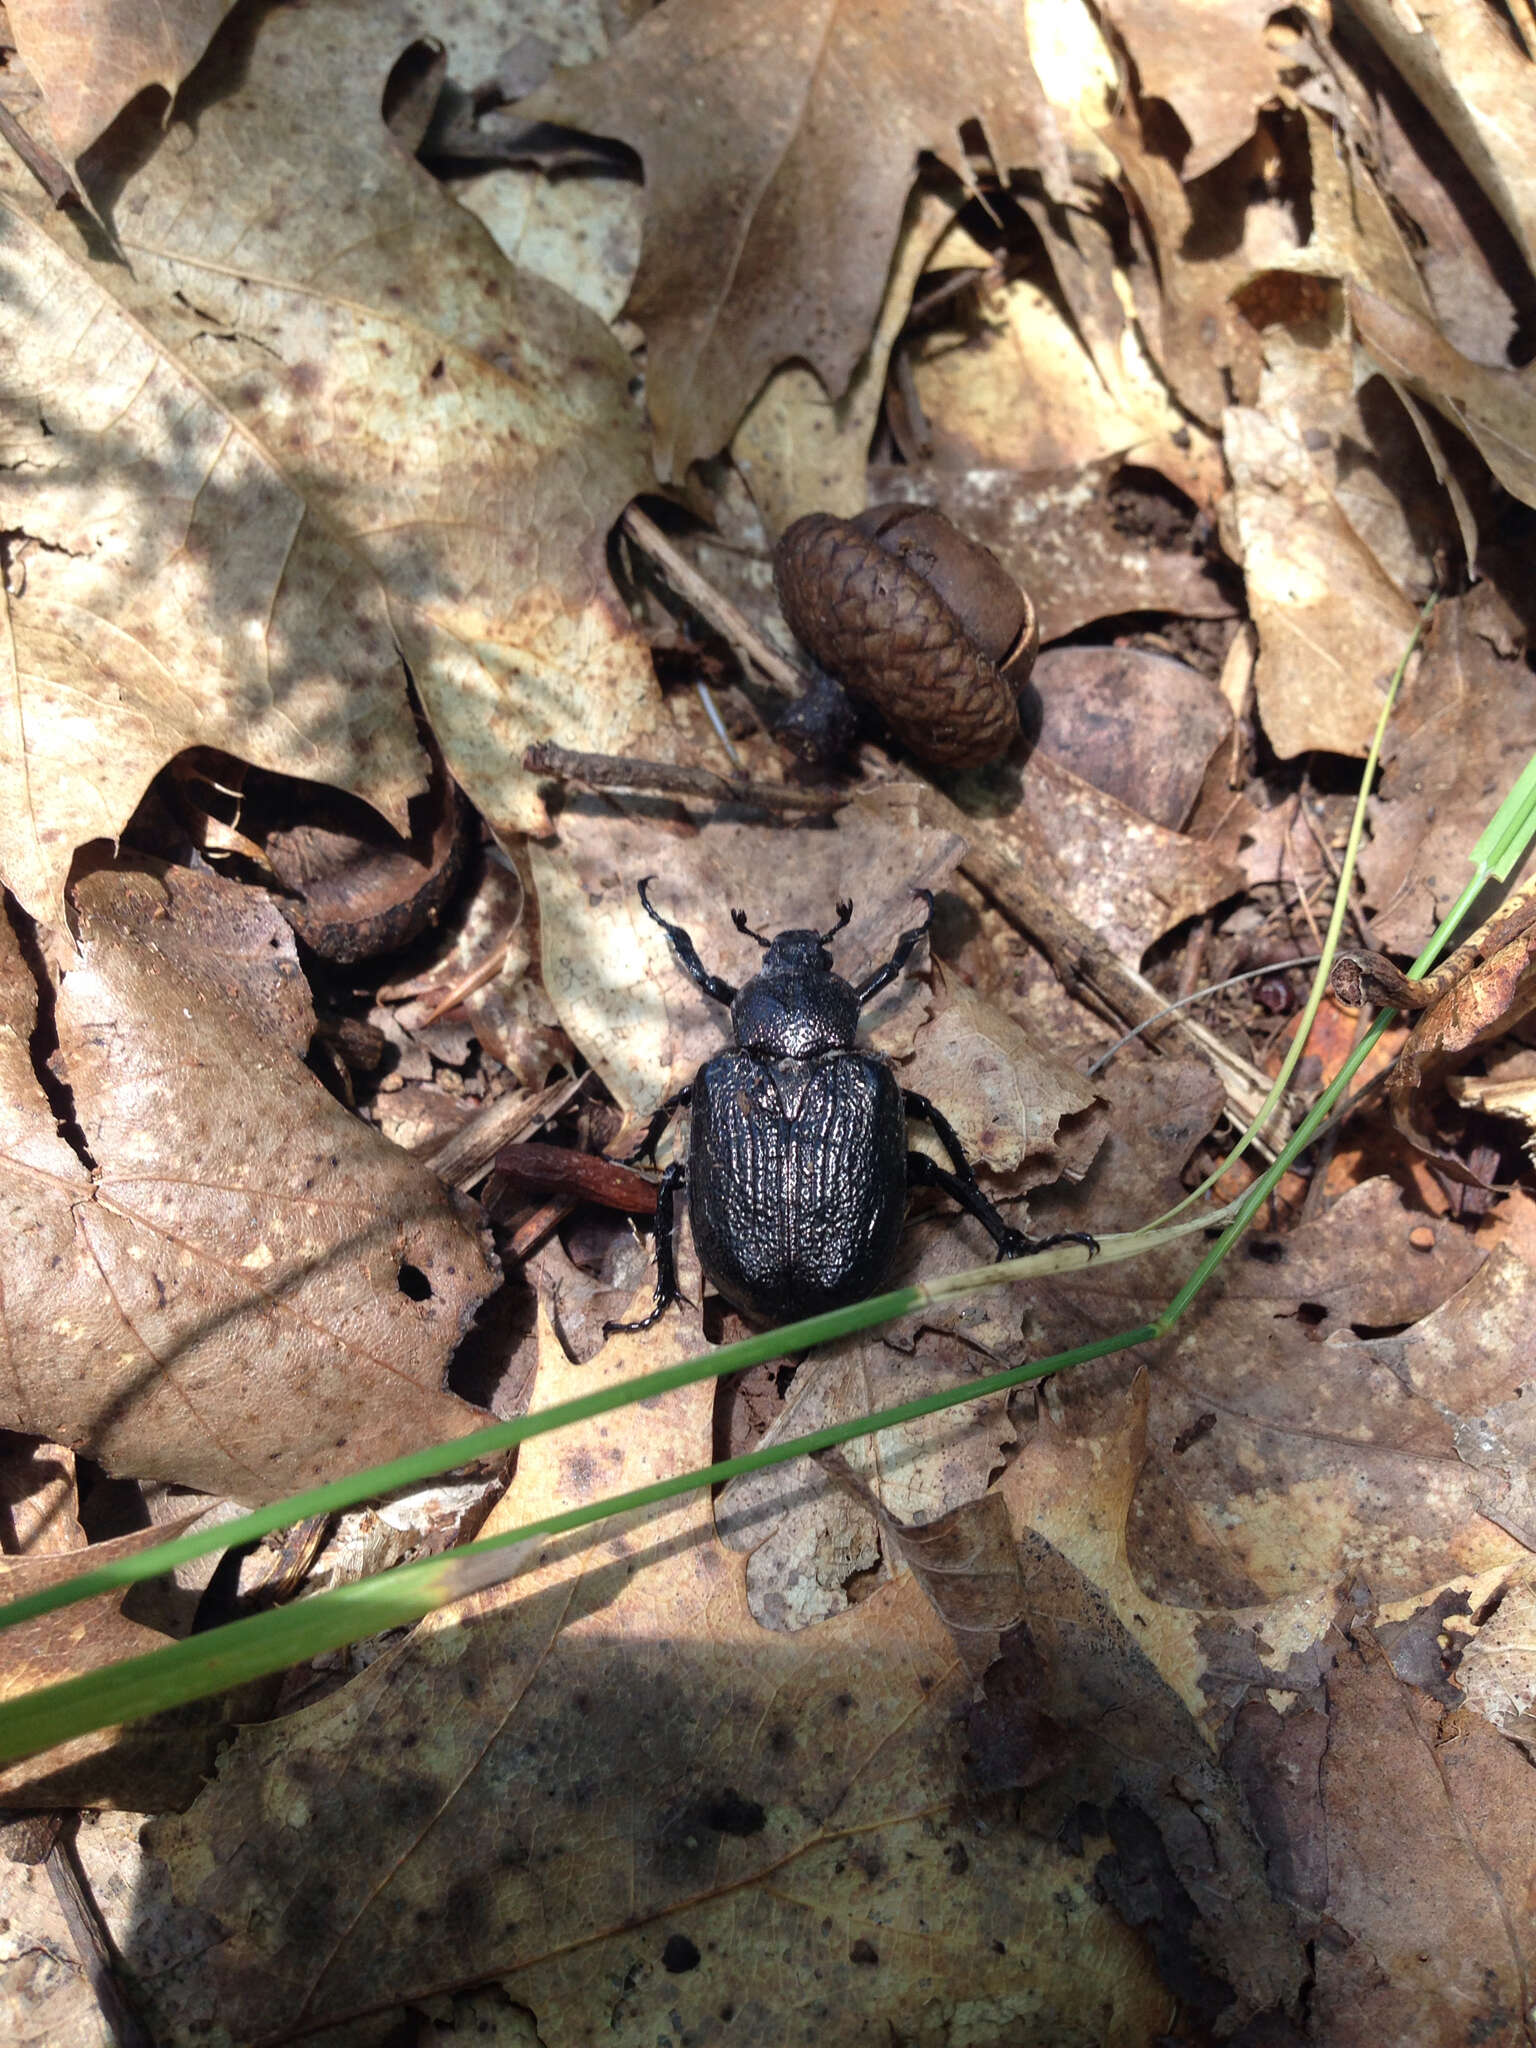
(1196, 1681)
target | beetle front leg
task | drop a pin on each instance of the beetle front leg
(884, 976)
(962, 1184)
(667, 1289)
(687, 953)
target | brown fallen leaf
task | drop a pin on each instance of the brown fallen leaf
(1498, 1663)
(232, 1283)
(1124, 1678)
(155, 1763)
(1209, 61)
(1428, 181)
(1022, 392)
(1485, 1005)
(371, 436)
(1288, 1449)
(1495, 408)
(221, 935)
(800, 451)
(46, 1995)
(1126, 878)
(776, 189)
(803, 1830)
(1066, 539)
(1430, 1844)
(1193, 332)
(1478, 85)
(1464, 729)
(966, 1561)
(1288, 1445)
(1136, 725)
(39, 1499)
(91, 57)
(1332, 624)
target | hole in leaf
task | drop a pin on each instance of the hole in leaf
(413, 1283)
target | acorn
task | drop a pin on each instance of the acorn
(916, 619)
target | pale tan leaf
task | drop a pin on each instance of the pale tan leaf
(816, 115)
(1465, 728)
(801, 451)
(1332, 625)
(314, 416)
(1496, 408)
(786, 1806)
(1477, 84)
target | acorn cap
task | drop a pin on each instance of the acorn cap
(916, 619)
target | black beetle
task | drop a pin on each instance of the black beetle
(798, 1168)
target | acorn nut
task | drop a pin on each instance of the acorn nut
(915, 619)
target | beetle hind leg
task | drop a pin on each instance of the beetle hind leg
(667, 1289)
(962, 1184)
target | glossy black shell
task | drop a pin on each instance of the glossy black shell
(797, 1184)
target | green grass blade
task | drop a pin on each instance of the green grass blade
(242, 1650)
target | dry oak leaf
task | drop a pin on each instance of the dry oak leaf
(151, 1764)
(1429, 1831)
(779, 146)
(315, 420)
(1495, 408)
(91, 57)
(1463, 731)
(1208, 60)
(1332, 624)
(1478, 85)
(1057, 534)
(604, 1786)
(212, 1289)
(1287, 1451)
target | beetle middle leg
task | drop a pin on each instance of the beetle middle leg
(962, 1184)
(660, 1118)
(667, 1289)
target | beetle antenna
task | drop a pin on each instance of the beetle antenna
(739, 919)
(844, 912)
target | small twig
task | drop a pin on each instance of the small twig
(466, 1157)
(93, 1944)
(752, 649)
(1301, 887)
(671, 778)
(532, 1231)
(1194, 957)
(1331, 862)
(465, 986)
(42, 163)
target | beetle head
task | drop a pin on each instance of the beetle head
(795, 1007)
